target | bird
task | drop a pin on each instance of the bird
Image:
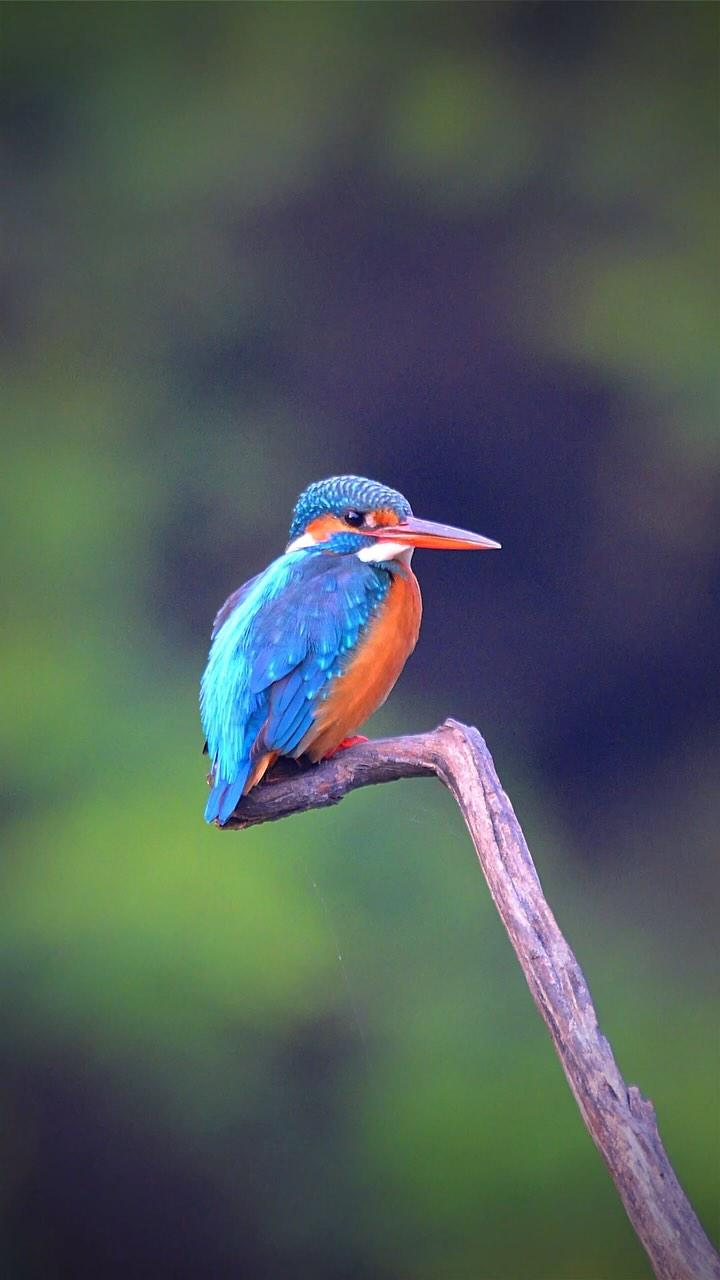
(303, 653)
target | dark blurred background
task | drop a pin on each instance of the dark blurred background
(468, 250)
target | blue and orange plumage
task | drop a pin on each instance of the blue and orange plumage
(303, 653)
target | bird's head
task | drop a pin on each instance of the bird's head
(347, 514)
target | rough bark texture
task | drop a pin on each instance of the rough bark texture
(619, 1119)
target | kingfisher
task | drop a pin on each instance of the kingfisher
(304, 652)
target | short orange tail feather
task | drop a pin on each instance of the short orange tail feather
(262, 764)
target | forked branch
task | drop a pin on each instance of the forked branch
(619, 1119)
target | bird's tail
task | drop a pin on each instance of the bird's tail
(225, 796)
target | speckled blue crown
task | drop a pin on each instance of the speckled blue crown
(335, 495)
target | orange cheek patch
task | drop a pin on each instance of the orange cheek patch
(382, 516)
(324, 526)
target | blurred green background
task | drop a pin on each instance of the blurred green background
(468, 250)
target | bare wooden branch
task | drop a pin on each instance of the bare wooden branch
(619, 1119)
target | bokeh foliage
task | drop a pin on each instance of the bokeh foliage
(467, 249)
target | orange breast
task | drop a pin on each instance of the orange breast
(373, 669)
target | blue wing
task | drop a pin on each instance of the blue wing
(278, 642)
(232, 603)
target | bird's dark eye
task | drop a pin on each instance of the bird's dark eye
(354, 518)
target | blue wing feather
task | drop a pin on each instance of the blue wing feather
(231, 604)
(278, 643)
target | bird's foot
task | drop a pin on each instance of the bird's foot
(346, 742)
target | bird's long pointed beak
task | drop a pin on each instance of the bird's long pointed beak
(426, 533)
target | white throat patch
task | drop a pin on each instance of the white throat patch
(378, 551)
(373, 553)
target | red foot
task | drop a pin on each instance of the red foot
(346, 742)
